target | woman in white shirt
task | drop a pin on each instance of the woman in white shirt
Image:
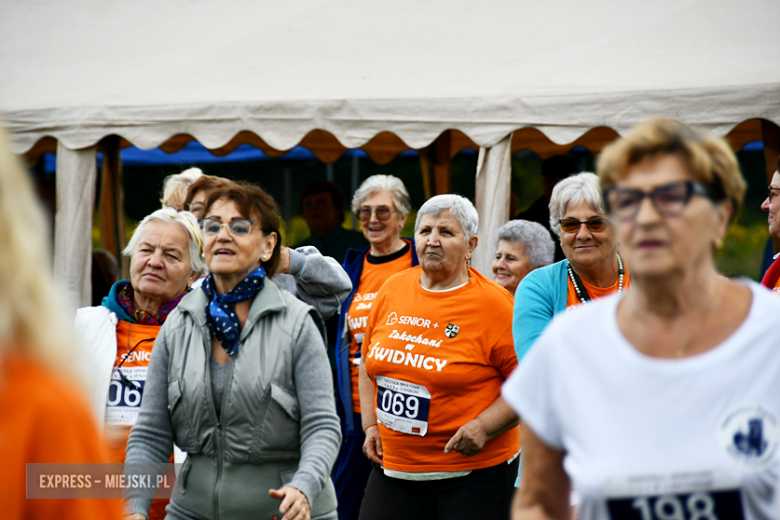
(663, 404)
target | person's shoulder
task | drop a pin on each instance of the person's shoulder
(89, 316)
(765, 302)
(43, 393)
(353, 255)
(490, 289)
(409, 275)
(589, 317)
(291, 302)
(544, 275)
(400, 283)
(551, 270)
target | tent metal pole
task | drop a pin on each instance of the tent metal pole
(329, 172)
(355, 183)
(112, 224)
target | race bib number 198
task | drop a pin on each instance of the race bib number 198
(685, 495)
(702, 505)
(402, 406)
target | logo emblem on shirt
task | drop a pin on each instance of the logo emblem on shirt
(451, 331)
(750, 435)
(392, 319)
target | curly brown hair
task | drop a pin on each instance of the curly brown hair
(204, 183)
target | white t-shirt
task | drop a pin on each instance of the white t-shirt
(657, 439)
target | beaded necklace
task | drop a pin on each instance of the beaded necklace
(582, 294)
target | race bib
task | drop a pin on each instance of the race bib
(402, 406)
(704, 495)
(124, 401)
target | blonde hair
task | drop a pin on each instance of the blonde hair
(175, 187)
(32, 317)
(709, 159)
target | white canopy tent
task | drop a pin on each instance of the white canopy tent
(149, 71)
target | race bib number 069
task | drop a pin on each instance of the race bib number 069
(701, 505)
(402, 406)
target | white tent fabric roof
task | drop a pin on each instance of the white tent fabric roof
(79, 70)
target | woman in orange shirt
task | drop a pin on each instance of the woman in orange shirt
(43, 419)
(382, 203)
(437, 348)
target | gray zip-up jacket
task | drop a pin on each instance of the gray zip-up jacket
(277, 425)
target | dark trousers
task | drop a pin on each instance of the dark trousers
(483, 494)
(350, 473)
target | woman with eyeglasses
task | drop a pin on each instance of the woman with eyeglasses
(312, 277)
(116, 338)
(239, 379)
(382, 204)
(593, 268)
(663, 402)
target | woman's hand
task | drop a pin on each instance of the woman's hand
(469, 439)
(372, 447)
(134, 516)
(295, 505)
(492, 422)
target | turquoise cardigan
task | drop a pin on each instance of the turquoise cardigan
(540, 295)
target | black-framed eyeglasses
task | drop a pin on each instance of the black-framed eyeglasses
(594, 224)
(668, 200)
(382, 213)
(772, 191)
(238, 227)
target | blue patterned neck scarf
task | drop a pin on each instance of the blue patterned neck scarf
(221, 319)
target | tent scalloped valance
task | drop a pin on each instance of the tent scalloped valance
(283, 125)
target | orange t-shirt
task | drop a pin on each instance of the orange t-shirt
(572, 300)
(376, 269)
(124, 402)
(438, 360)
(43, 420)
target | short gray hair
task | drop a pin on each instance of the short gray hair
(184, 219)
(176, 186)
(537, 243)
(460, 207)
(393, 185)
(575, 189)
